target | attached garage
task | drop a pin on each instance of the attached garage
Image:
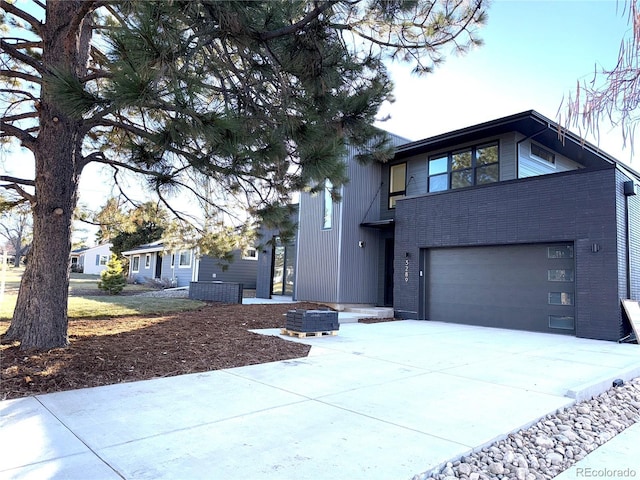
(527, 287)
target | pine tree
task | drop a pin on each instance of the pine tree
(112, 278)
(263, 98)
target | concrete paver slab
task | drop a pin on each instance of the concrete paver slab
(469, 412)
(317, 376)
(30, 434)
(305, 440)
(124, 412)
(78, 466)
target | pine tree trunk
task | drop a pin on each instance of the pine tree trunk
(40, 318)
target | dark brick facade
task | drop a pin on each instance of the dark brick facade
(224, 292)
(583, 206)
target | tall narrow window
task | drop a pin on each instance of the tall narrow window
(327, 216)
(438, 176)
(397, 183)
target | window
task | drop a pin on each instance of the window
(102, 259)
(135, 264)
(250, 254)
(147, 260)
(561, 322)
(397, 183)
(561, 298)
(184, 259)
(542, 154)
(476, 165)
(561, 251)
(173, 260)
(327, 216)
(565, 275)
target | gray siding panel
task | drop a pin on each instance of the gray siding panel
(238, 271)
(317, 267)
(358, 267)
(578, 206)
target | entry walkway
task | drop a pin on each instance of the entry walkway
(377, 401)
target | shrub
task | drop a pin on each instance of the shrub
(112, 279)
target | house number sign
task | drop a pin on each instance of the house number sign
(406, 270)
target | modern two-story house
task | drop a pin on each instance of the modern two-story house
(503, 224)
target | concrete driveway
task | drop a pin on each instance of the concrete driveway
(378, 401)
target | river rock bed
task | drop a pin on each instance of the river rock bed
(553, 444)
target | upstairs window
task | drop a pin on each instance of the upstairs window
(327, 216)
(250, 254)
(476, 165)
(542, 154)
(397, 183)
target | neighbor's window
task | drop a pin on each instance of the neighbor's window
(173, 260)
(477, 165)
(103, 259)
(147, 260)
(327, 216)
(250, 254)
(542, 154)
(185, 258)
(397, 183)
(135, 264)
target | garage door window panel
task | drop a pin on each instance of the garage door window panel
(560, 275)
(560, 251)
(562, 322)
(561, 298)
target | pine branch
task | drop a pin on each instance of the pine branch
(22, 192)
(16, 54)
(16, 180)
(21, 75)
(12, 9)
(289, 29)
(87, 7)
(24, 43)
(20, 116)
(26, 140)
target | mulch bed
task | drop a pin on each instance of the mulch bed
(127, 349)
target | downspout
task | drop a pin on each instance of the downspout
(629, 191)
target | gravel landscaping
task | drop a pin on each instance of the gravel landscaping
(553, 444)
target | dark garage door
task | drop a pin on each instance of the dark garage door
(528, 287)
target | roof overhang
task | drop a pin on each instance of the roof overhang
(531, 124)
(379, 224)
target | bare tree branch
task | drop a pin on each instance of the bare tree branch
(12, 9)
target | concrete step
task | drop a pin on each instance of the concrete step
(351, 317)
(374, 312)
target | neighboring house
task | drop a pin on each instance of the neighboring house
(502, 224)
(92, 260)
(181, 267)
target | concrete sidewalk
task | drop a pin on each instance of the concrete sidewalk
(378, 401)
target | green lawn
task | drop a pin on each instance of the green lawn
(87, 305)
(113, 306)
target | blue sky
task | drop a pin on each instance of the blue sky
(534, 53)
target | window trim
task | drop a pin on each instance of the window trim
(400, 194)
(180, 264)
(473, 169)
(133, 263)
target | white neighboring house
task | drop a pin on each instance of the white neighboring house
(94, 259)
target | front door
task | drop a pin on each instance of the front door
(158, 272)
